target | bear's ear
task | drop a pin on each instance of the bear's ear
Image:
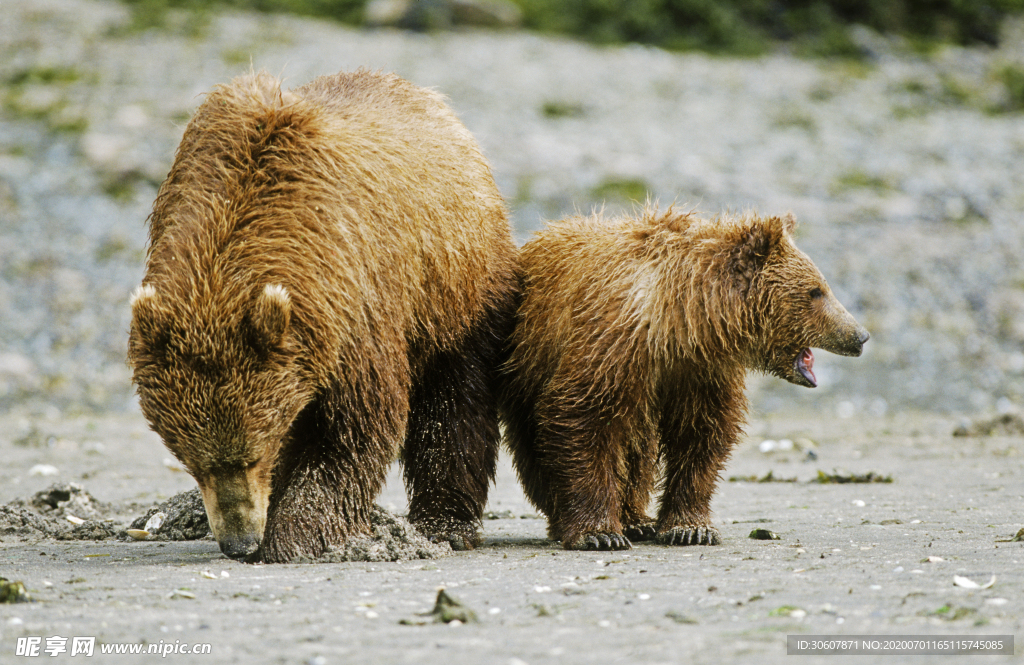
(788, 222)
(149, 323)
(270, 315)
(751, 250)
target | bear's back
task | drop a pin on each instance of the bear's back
(355, 187)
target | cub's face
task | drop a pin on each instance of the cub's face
(222, 398)
(798, 312)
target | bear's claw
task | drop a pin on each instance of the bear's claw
(641, 532)
(690, 535)
(600, 541)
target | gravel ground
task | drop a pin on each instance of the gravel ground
(903, 171)
(852, 559)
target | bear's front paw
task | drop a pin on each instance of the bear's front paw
(640, 532)
(460, 535)
(599, 541)
(690, 535)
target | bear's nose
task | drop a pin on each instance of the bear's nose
(239, 547)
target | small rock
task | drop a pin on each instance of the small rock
(679, 617)
(448, 609)
(13, 592)
(763, 534)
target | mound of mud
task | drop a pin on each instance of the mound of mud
(182, 517)
(392, 538)
(69, 512)
(62, 511)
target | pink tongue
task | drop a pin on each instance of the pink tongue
(807, 363)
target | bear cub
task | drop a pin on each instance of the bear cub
(628, 362)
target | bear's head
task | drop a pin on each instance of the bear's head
(789, 304)
(220, 383)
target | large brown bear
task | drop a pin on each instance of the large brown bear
(330, 275)
(631, 347)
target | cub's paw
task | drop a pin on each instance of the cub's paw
(641, 532)
(690, 535)
(599, 541)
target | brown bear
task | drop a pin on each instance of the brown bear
(629, 355)
(329, 285)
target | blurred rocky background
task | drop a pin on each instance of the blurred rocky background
(893, 130)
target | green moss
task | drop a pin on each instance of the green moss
(237, 56)
(817, 28)
(953, 91)
(626, 189)
(559, 109)
(783, 611)
(793, 116)
(1012, 78)
(46, 75)
(857, 179)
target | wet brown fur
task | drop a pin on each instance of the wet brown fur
(628, 363)
(330, 275)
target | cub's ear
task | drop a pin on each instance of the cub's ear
(750, 250)
(270, 315)
(149, 328)
(788, 222)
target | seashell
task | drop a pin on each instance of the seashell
(971, 584)
(155, 522)
(138, 534)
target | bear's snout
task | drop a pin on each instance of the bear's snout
(236, 505)
(239, 546)
(851, 343)
(844, 336)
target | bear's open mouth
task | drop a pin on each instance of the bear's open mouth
(804, 365)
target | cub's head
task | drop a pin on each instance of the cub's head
(218, 381)
(792, 309)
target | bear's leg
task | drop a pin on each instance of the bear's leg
(641, 471)
(332, 468)
(451, 444)
(521, 436)
(586, 462)
(699, 427)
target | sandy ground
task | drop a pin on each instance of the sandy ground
(851, 559)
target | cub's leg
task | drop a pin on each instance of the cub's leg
(641, 473)
(583, 447)
(520, 422)
(700, 423)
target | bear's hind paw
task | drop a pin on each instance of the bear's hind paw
(690, 535)
(599, 541)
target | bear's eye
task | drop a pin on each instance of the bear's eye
(816, 293)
